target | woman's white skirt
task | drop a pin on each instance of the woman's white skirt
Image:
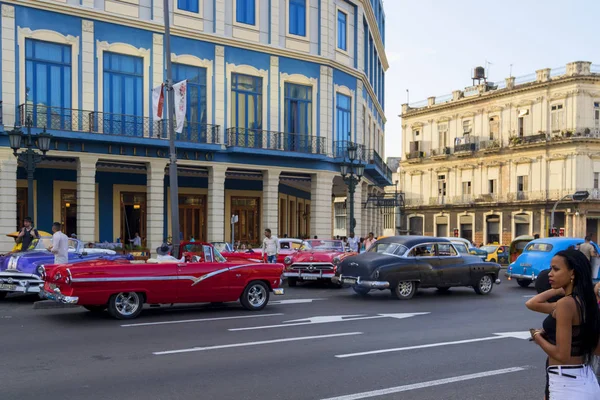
(575, 382)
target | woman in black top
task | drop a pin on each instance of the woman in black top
(571, 330)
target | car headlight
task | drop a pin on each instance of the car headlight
(41, 272)
(336, 260)
(287, 260)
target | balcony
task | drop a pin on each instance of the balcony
(102, 123)
(340, 150)
(280, 141)
(490, 146)
(438, 200)
(375, 160)
(441, 153)
(466, 149)
(415, 156)
(463, 199)
(540, 138)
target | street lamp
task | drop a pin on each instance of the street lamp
(577, 196)
(352, 173)
(29, 155)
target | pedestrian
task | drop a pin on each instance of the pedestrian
(192, 240)
(27, 234)
(60, 245)
(536, 236)
(353, 242)
(587, 248)
(316, 237)
(370, 240)
(270, 247)
(136, 241)
(164, 254)
(571, 330)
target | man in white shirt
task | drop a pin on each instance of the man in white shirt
(270, 246)
(136, 241)
(353, 242)
(60, 245)
(369, 241)
(164, 254)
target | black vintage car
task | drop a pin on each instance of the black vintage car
(405, 263)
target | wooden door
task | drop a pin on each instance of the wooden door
(192, 217)
(68, 211)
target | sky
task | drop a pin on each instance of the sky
(433, 45)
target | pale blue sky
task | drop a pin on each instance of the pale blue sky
(433, 45)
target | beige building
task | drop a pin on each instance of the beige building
(489, 162)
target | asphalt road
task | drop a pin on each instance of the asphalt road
(435, 346)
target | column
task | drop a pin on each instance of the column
(87, 65)
(87, 3)
(357, 210)
(270, 201)
(274, 85)
(158, 12)
(360, 122)
(220, 17)
(543, 230)
(155, 203)
(220, 89)
(321, 213)
(274, 39)
(8, 199)
(325, 33)
(86, 198)
(9, 93)
(326, 101)
(360, 50)
(216, 204)
(364, 211)
(158, 70)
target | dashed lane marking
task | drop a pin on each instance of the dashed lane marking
(295, 301)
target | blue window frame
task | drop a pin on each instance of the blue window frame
(298, 116)
(195, 128)
(298, 17)
(189, 5)
(48, 82)
(341, 33)
(246, 110)
(123, 91)
(343, 108)
(245, 11)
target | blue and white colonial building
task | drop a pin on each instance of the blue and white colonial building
(276, 91)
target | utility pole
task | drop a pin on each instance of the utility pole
(174, 185)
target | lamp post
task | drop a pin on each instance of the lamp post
(352, 173)
(29, 156)
(577, 196)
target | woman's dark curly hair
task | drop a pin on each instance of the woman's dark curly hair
(583, 292)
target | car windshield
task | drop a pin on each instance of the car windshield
(45, 242)
(192, 248)
(323, 245)
(489, 249)
(388, 248)
(462, 249)
(221, 246)
(545, 247)
(218, 256)
(289, 245)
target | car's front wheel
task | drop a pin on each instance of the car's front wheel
(524, 282)
(404, 290)
(125, 305)
(255, 296)
(361, 290)
(484, 285)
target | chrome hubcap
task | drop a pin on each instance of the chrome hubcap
(405, 288)
(485, 284)
(127, 303)
(257, 295)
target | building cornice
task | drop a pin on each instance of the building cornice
(375, 32)
(99, 15)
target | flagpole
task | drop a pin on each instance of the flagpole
(174, 185)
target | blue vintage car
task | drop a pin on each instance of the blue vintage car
(536, 257)
(19, 271)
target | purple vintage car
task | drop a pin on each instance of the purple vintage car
(19, 271)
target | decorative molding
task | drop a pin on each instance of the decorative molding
(463, 167)
(220, 51)
(87, 26)
(522, 160)
(416, 172)
(494, 164)
(468, 114)
(594, 156)
(508, 105)
(417, 125)
(404, 126)
(157, 39)
(442, 169)
(274, 61)
(443, 119)
(359, 85)
(557, 156)
(494, 109)
(430, 121)
(8, 11)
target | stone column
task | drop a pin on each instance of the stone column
(155, 203)
(86, 198)
(326, 33)
(220, 89)
(9, 91)
(87, 66)
(326, 101)
(270, 203)
(158, 12)
(357, 210)
(220, 17)
(216, 204)
(321, 213)
(274, 104)
(364, 212)
(8, 199)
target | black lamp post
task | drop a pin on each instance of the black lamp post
(352, 173)
(29, 156)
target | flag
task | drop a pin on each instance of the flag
(158, 100)
(180, 91)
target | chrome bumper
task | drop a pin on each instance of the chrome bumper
(520, 276)
(20, 286)
(278, 291)
(57, 296)
(306, 276)
(357, 281)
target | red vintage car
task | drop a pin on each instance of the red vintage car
(317, 259)
(287, 247)
(122, 288)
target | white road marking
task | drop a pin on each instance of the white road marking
(529, 296)
(294, 301)
(503, 335)
(246, 344)
(328, 319)
(421, 385)
(186, 321)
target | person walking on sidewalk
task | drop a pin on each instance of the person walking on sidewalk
(270, 247)
(60, 245)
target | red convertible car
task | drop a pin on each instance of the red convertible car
(122, 288)
(317, 259)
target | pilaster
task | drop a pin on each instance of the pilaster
(220, 17)
(270, 206)
(360, 31)
(157, 59)
(86, 198)
(357, 211)
(326, 101)
(158, 12)
(364, 188)
(8, 199)
(216, 203)
(155, 203)
(320, 204)
(87, 64)
(87, 3)
(220, 88)
(325, 33)
(9, 96)
(275, 28)
(275, 93)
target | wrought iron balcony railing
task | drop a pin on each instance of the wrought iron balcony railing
(442, 151)
(414, 155)
(119, 124)
(270, 140)
(340, 150)
(193, 132)
(465, 148)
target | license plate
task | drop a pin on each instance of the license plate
(349, 280)
(9, 288)
(310, 277)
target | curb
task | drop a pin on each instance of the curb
(49, 304)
